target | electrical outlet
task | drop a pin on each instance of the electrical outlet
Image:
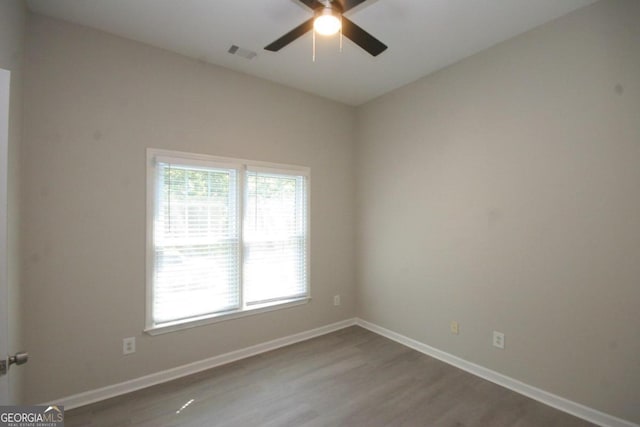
(129, 345)
(455, 327)
(498, 339)
(336, 300)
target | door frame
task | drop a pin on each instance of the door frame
(5, 78)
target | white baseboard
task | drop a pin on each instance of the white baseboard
(550, 399)
(92, 396)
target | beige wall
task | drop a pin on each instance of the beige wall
(502, 192)
(93, 103)
(12, 28)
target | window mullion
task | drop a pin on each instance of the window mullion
(241, 195)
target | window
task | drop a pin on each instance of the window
(225, 238)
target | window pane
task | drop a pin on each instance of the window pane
(196, 242)
(275, 237)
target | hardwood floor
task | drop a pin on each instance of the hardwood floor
(352, 377)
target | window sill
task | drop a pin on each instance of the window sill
(221, 317)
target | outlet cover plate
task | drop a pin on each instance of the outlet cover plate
(455, 327)
(129, 345)
(498, 339)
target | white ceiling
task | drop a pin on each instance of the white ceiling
(423, 36)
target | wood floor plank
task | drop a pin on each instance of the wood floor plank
(351, 377)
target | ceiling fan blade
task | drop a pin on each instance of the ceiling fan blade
(299, 31)
(363, 39)
(312, 4)
(349, 4)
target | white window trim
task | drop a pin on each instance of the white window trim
(153, 155)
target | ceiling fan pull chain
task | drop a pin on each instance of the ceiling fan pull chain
(340, 33)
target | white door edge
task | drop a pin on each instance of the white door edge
(4, 148)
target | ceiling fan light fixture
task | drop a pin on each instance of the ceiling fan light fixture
(330, 13)
(328, 22)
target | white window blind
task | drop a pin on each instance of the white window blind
(226, 237)
(196, 242)
(275, 230)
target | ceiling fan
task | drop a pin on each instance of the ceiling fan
(329, 19)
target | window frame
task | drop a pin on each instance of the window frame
(241, 165)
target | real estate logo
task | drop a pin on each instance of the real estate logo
(31, 416)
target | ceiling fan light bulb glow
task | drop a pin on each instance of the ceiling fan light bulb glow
(328, 22)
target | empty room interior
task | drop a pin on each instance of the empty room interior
(213, 213)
